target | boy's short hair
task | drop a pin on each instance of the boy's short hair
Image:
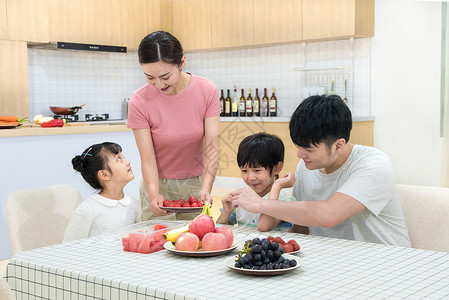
(260, 150)
(319, 119)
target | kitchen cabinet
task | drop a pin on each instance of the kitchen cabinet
(27, 20)
(3, 22)
(232, 23)
(192, 23)
(134, 22)
(85, 21)
(331, 19)
(232, 133)
(13, 78)
(277, 21)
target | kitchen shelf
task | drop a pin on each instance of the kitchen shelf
(342, 68)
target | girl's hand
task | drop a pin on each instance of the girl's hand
(155, 205)
(287, 181)
(227, 203)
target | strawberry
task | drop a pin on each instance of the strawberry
(279, 240)
(288, 248)
(294, 244)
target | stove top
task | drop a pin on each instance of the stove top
(87, 117)
(96, 117)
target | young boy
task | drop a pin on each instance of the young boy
(260, 158)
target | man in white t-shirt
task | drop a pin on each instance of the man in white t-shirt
(343, 190)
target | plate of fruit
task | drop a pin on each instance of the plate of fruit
(261, 257)
(200, 238)
(183, 206)
(290, 247)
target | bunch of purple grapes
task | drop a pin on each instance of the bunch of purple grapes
(261, 254)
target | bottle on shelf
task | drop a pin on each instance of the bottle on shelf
(235, 103)
(242, 104)
(249, 104)
(256, 104)
(273, 104)
(222, 104)
(264, 104)
(228, 102)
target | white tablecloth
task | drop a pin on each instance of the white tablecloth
(98, 268)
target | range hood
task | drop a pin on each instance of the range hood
(78, 47)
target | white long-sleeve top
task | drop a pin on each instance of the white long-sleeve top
(98, 215)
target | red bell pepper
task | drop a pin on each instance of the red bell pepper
(53, 123)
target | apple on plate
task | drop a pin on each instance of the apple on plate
(228, 232)
(187, 241)
(202, 225)
(214, 241)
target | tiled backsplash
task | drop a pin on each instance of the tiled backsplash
(103, 80)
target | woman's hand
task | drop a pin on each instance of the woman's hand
(287, 181)
(155, 205)
(205, 196)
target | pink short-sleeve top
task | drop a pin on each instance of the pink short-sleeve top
(176, 123)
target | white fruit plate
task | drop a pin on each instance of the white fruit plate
(199, 253)
(230, 262)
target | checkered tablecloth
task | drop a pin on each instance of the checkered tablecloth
(98, 268)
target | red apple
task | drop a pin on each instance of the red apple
(187, 241)
(202, 225)
(214, 241)
(228, 232)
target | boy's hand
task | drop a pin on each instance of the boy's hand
(287, 181)
(227, 203)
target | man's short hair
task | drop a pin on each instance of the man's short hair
(319, 119)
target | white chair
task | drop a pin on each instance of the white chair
(37, 217)
(426, 212)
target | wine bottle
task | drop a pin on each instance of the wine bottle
(264, 104)
(256, 104)
(222, 104)
(273, 104)
(242, 104)
(235, 103)
(228, 102)
(249, 104)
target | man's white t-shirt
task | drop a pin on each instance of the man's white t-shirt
(367, 176)
(99, 215)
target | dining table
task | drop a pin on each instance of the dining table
(329, 268)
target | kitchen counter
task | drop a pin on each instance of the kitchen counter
(71, 128)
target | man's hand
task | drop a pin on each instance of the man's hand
(287, 181)
(205, 196)
(155, 205)
(247, 198)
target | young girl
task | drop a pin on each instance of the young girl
(105, 168)
(260, 157)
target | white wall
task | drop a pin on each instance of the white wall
(46, 160)
(405, 85)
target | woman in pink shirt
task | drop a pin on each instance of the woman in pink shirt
(175, 121)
